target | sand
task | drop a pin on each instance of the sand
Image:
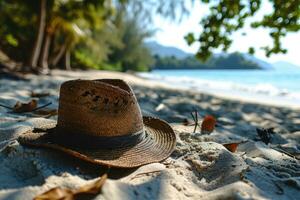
(199, 168)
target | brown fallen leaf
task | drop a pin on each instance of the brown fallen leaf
(231, 146)
(68, 194)
(93, 188)
(208, 124)
(56, 194)
(39, 94)
(25, 107)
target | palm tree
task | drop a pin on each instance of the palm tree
(40, 34)
(72, 21)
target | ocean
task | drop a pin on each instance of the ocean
(279, 87)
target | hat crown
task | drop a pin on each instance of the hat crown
(103, 107)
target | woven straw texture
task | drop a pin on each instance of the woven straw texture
(108, 105)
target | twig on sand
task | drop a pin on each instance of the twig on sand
(285, 152)
(195, 118)
(144, 173)
(31, 110)
(43, 106)
(4, 106)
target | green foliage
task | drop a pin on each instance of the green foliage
(251, 50)
(96, 48)
(82, 59)
(11, 40)
(228, 16)
(119, 45)
(98, 33)
(17, 28)
(231, 61)
(190, 38)
(106, 34)
(132, 54)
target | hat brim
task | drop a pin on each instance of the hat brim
(157, 145)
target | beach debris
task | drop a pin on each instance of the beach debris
(292, 152)
(265, 135)
(232, 147)
(31, 106)
(25, 107)
(185, 122)
(208, 124)
(196, 121)
(89, 190)
(39, 94)
(56, 194)
(145, 173)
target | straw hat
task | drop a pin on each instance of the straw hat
(100, 121)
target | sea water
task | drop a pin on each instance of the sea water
(281, 87)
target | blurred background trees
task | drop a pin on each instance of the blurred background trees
(110, 34)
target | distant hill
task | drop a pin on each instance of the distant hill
(166, 51)
(263, 64)
(282, 65)
(227, 61)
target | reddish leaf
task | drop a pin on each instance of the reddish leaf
(208, 124)
(93, 188)
(67, 194)
(231, 146)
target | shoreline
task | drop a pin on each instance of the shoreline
(140, 80)
(235, 94)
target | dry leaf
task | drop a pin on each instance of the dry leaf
(231, 146)
(67, 194)
(93, 188)
(56, 194)
(25, 107)
(39, 95)
(208, 124)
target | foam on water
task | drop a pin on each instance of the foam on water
(258, 91)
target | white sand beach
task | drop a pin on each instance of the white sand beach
(199, 168)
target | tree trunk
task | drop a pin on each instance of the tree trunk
(68, 60)
(58, 56)
(39, 39)
(45, 53)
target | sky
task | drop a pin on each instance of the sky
(172, 33)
